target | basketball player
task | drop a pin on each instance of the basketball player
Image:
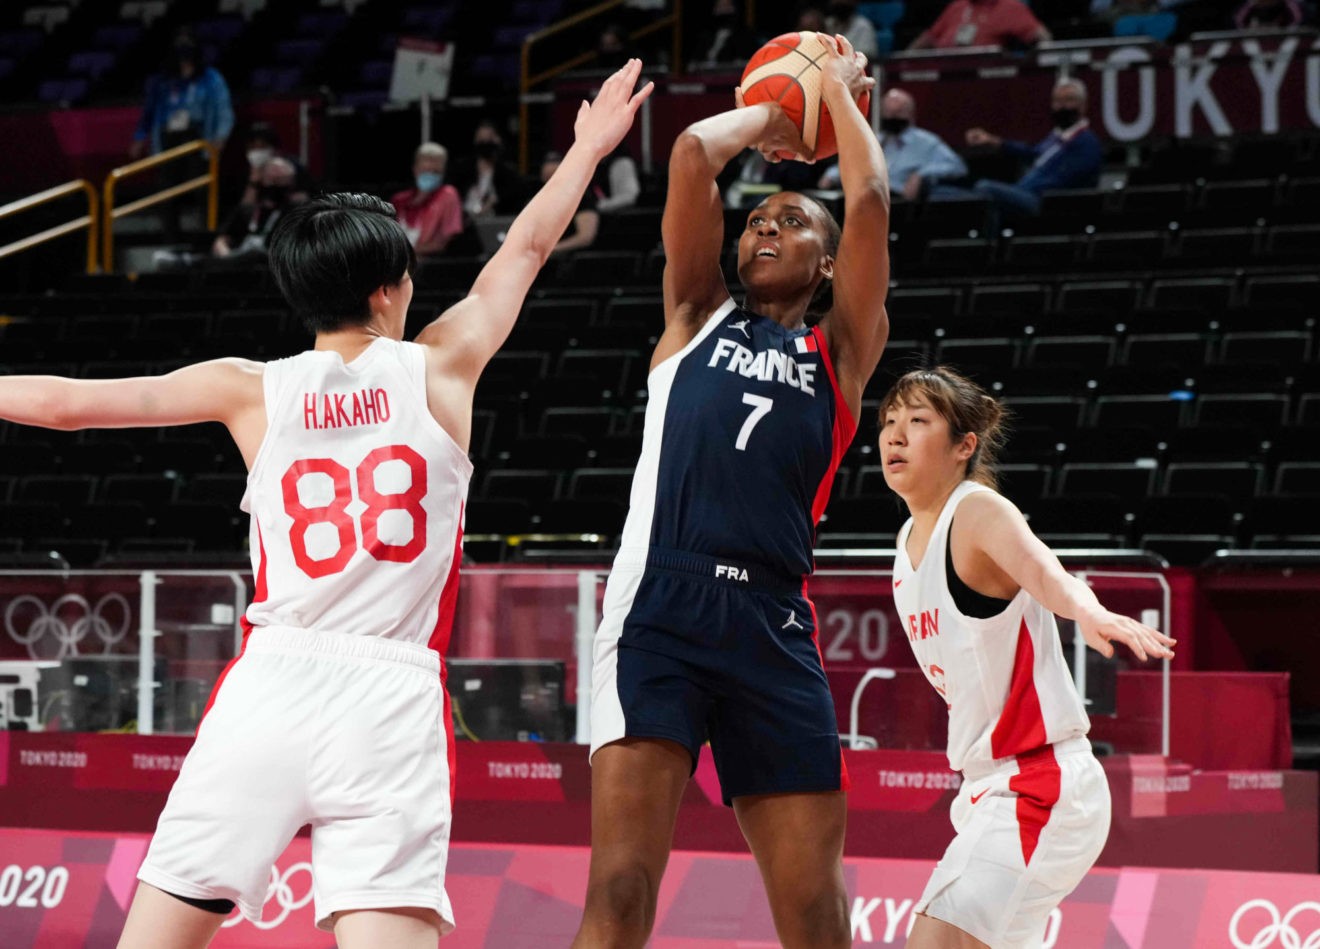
(977, 593)
(707, 632)
(334, 713)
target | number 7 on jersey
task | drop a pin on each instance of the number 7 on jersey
(761, 406)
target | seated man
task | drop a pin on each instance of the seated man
(242, 238)
(983, 23)
(431, 211)
(1069, 157)
(918, 160)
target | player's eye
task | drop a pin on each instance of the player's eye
(793, 219)
(753, 221)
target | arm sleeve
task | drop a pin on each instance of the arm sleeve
(624, 186)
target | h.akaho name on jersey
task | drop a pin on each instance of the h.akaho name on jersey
(768, 365)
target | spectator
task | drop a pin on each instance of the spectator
(263, 144)
(983, 23)
(185, 101)
(1069, 157)
(487, 184)
(431, 211)
(1268, 14)
(918, 160)
(728, 39)
(586, 219)
(617, 182)
(242, 238)
(844, 18)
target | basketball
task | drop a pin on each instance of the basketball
(786, 70)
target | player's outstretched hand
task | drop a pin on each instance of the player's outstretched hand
(1104, 629)
(603, 123)
(845, 65)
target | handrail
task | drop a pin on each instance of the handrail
(527, 80)
(91, 220)
(210, 181)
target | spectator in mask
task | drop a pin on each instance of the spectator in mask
(1069, 157)
(431, 211)
(844, 18)
(187, 100)
(263, 144)
(242, 239)
(488, 184)
(918, 159)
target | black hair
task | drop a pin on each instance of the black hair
(833, 233)
(330, 255)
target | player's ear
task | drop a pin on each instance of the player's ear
(827, 267)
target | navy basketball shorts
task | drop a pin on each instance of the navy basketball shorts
(694, 649)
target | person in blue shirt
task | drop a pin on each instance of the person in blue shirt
(918, 159)
(1069, 157)
(187, 100)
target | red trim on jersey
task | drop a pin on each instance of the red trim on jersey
(259, 596)
(439, 641)
(1020, 731)
(1021, 726)
(845, 427)
(845, 782)
(1037, 787)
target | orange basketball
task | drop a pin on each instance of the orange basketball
(786, 70)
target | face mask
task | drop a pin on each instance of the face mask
(488, 151)
(1065, 118)
(428, 181)
(273, 194)
(894, 126)
(259, 156)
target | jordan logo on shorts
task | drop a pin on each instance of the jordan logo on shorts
(792, 621)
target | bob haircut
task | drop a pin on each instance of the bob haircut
(330, 255)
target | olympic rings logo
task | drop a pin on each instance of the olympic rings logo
(57, 631)
(280, 889)
(1278, 930)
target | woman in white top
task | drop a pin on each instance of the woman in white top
(977, 601)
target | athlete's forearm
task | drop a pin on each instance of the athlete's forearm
(542, 223)
(1064, 594)
(44, 401)
(863, 173)
(705, 147)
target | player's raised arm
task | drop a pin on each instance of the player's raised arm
(693, 223)
(471, 331)
(858, 325)
(1002, 534)
(221, 390)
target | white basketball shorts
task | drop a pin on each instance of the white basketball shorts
(1028, 832)
(345, 733)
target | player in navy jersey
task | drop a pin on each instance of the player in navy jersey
(708, 634)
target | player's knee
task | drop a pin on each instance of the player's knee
(627, 897)
(819, 921)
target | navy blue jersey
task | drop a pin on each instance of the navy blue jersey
(744, 431)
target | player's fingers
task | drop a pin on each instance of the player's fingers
(642, 95)
(738, 96)
(845, 46)
(584, 108)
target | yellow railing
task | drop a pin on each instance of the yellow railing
(90, 220)
(529, 80)
(210, 181)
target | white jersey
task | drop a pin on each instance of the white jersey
(356, 497)
(1004, 678)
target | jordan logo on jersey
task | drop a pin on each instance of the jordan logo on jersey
(740, 326)
(926, 627)
(345, 409)
(768, 365)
